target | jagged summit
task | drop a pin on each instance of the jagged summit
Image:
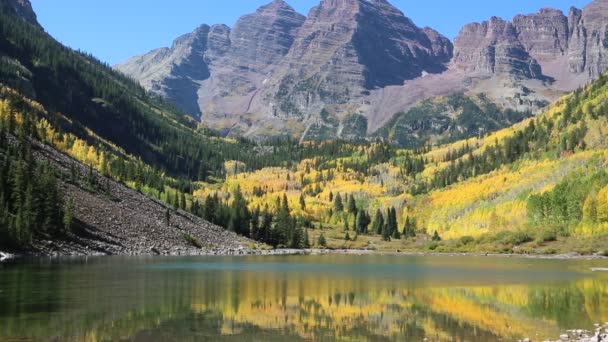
(276, 71)
(23, 8)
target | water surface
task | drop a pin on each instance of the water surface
(332, 297)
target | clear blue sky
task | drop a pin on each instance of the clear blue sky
(114, 30)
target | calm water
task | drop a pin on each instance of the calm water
(335, 297)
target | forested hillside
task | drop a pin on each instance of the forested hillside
(539, 185)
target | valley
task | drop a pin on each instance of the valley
(457, 173)
(344, 175)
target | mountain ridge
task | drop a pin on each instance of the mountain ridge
(329, 65)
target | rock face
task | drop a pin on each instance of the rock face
(541, 39)
(544, 35)
(492, 47)
(218, 61)
(279, 72)
(588, 50)
(347, 48)
(23, 9)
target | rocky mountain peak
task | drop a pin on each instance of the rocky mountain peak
(23, 8)
(277, 70)
(493, 47)
(363, 44)
(543, 34)
(588, 39)
(264, 37)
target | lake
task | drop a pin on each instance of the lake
(275, 298)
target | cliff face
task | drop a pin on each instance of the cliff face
(543, 34)
(218, 61)
(493, 47)
(276, 71)
(347, 48)
(545, 38)
(588, 50)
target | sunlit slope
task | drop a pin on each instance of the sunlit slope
(568, 138)
(475, 187)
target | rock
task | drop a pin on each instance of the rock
(493, 47)
(276, 58)
(5, 256)
(543, 34)
(344, 50)
(23, 8)
(278, 71)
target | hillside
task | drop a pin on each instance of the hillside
(59, 103)
(539, 185)
(108, 218)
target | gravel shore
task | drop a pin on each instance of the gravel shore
(598, 334)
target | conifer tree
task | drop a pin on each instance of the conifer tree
(321, 242)
(436, 237)
(378, 223)
(338, 205)
(352, 206)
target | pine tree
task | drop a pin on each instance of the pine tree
(182, 201)
(396, 234)
(436, 237)
(378, 224)
(409, 229)
(352, 206)
(392, 221)
(68, 215)
(321, 242)
(254, 224)
(306, 239)
(361, 222)
(302, 202)
(338, 205)
(386, 232)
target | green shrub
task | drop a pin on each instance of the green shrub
(193, 241)
(515, 238)
(546, 235)
(431, 246)
(465, 240)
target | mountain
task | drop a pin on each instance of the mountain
(23, 8)
(218, 63)
(331, 59)
(89, 163)
(278, 72)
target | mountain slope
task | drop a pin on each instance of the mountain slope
(537, 186)
(86, 110)
(326, 61)
(111, 219)
(366, 58)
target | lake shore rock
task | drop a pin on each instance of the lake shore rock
(5, 256)
(65, 250)
(598, 334)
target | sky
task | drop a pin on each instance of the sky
(115, 30)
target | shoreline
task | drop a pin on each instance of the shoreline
(565, 256)
(4, 256)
